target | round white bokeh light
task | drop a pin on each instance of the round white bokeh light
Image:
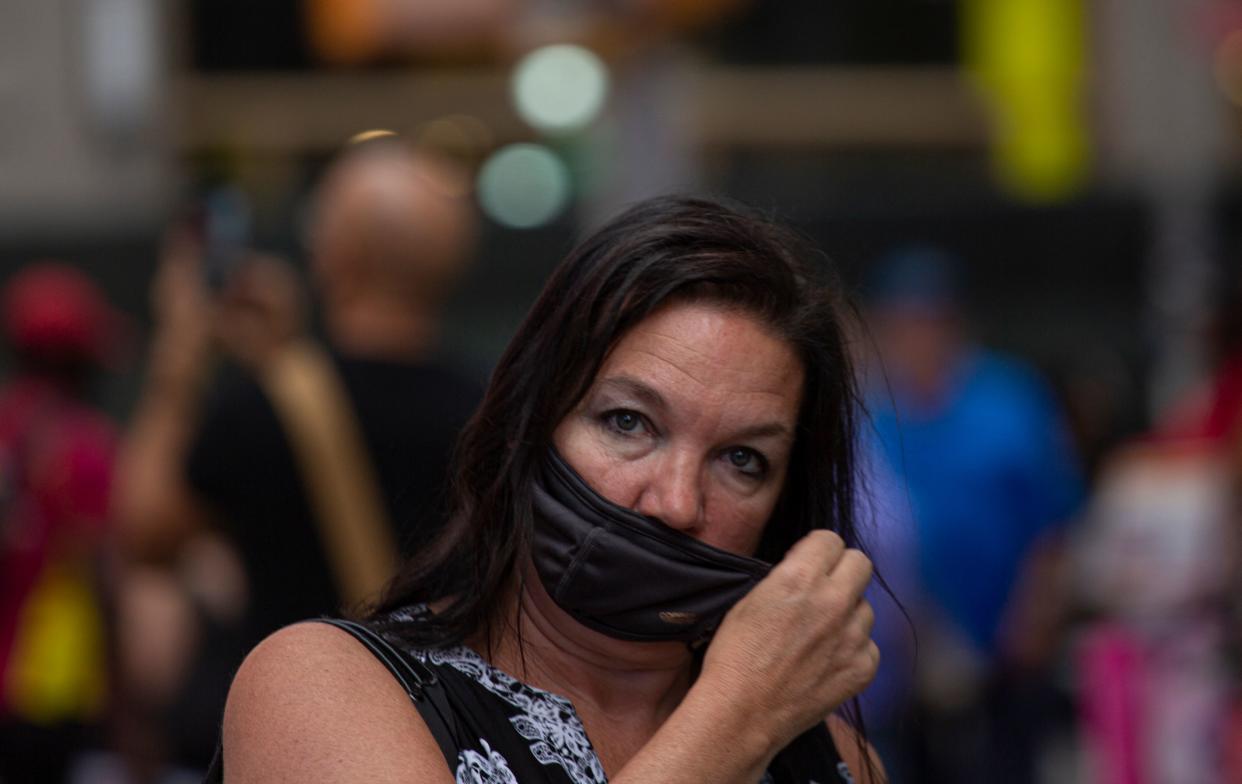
(523, 186)
(560, 88)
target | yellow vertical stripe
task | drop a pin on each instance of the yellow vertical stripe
(1028, 59)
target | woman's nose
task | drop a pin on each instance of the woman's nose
(674, 493)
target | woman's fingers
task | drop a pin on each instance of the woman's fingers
(851, 574)
(806, 629)
(813, 556)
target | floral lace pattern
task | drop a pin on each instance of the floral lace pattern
(547, 720)
(489, 767)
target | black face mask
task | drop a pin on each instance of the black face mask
(628, 575)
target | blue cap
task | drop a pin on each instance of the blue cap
(919, 276)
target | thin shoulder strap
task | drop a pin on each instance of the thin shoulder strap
(420, 684)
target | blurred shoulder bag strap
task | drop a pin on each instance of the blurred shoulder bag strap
(323, 430)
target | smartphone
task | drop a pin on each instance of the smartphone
(222, 220)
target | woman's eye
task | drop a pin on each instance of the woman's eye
(747, 461)
(624, 421)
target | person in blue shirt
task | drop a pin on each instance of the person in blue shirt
(980, 446)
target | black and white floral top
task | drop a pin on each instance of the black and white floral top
(517, 733)
(495, 729)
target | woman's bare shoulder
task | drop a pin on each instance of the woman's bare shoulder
(311, 704)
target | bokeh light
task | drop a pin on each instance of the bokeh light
(523, 186)
(1228, 67)
(560, 88)
(366, 136)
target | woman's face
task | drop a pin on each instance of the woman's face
(691, 420)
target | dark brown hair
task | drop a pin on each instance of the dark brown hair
(659, 251)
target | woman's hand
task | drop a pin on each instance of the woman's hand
(786, 656)
(798, 645)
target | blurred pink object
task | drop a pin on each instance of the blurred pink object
(1156, 560)
(1110, 665)
(54, 309)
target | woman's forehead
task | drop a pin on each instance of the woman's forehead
(698, 353)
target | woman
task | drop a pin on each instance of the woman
(675, 415)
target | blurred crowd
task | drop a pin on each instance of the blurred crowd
(1047, 609)
(141, 563)
(1037, 620)
(1052, 624)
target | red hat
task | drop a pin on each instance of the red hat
(54, 308)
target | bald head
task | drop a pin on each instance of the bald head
(390, 226)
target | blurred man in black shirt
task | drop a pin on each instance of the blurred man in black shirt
(201, 477)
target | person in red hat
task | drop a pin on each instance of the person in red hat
(56, 458)
(55, 314)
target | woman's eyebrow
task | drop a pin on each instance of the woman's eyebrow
(632, 386)
(649, 395)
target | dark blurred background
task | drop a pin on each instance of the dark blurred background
(1077, 159)
(859, 121)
